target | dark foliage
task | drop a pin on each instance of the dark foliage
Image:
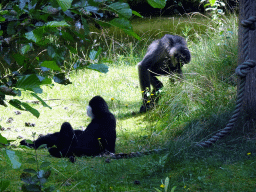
(178, 7)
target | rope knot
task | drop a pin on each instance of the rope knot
(243, 69)
(249, 22)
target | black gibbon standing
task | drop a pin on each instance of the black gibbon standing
(164, 56)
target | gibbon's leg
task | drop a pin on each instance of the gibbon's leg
(156, 83)
(66, 139)
(49, 140)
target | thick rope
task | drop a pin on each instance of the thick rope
(242, 71)
(132, 154)
(135, 154)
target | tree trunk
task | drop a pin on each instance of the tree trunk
(247, 51)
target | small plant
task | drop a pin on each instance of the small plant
(186, 32)
(165, 185)
(152, 98)
(154, 165)
(4, 185)
(4, 143)
(215, 7)
(34, 180)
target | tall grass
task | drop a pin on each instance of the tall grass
(209, 84)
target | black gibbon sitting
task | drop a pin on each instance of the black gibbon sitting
(98, 137)
(164, 57)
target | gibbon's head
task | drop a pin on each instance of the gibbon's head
(180, 55)
(97, 107)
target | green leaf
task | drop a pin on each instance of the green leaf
(3, 12)
(86, 27)
(45, 164)
(132, 33)
(24, 49)
(67, 36)
(30, 171)
(26, 177)
(42, 179)
(99, 67)
(98, 52)
(41, 100)
(19, 58)
(29, 141)
(11, 28)
(13, 158)
(16, 103)
(166, 183)
(2, 19)
(157, 3)
(28, 82)
(4, 185)
(72, 49)
(61, 79)
(22, 4)
(173, 189)
(51, 51)
(121, 23)
(76, 34)
(33, 36)
(103, 23)
(212, 2)
(46, 81)
(3, 140)
(42, 146)
(47, 173)
(31, 109)
(122, 9)
(31, 161)
(57, 24)
(136, 13)
(49, 189)
(206, 5)
(51, 65)
(64, 4)
(94, 54)
(37, 90)
(50, 10)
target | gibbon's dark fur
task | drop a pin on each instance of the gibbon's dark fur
(97, 138)
(164, 56)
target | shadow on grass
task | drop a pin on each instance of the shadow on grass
(238, 145)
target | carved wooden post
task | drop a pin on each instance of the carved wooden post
(247, 51)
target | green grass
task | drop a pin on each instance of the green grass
(189, 111)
